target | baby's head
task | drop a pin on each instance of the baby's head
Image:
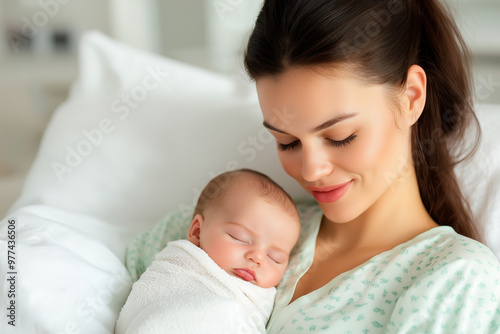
(247, 224)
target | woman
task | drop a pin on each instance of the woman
(375, 93)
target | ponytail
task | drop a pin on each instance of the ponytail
(448, 112)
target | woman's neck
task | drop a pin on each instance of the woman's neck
(397, 216)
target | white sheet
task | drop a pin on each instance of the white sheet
(66, 279)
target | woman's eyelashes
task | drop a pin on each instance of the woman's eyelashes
(342, 143)
(335, 143)
(287, 147)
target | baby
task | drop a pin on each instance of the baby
(222, 278)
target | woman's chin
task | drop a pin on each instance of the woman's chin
(337, 213)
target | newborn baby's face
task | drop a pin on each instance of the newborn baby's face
(249, 238)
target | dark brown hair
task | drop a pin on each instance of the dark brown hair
(223, 184)
(380, 41)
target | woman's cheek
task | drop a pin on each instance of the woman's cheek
(291, 163)
(366, 151)
(379, 152)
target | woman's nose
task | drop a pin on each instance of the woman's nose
(316, 163)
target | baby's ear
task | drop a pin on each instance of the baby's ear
(195, 229)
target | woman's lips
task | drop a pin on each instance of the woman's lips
(330, 194)
(246, 274)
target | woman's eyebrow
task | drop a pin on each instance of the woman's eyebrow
(270, 127)
(333, 121)
(323, 126)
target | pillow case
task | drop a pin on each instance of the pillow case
(479, 176)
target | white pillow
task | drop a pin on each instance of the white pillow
(139, 136)
(129, 165)
(479, 177)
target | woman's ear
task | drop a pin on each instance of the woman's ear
(416, 88)
(195, 229)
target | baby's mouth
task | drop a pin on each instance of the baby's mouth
(246, 274)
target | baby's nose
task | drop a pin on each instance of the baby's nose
(255, 256)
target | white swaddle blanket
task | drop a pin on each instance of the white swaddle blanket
(185, 291)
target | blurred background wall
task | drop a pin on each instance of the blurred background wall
(39, 39)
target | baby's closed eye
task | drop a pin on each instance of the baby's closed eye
(278, 257)
(239, 237)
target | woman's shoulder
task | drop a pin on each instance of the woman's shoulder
(448, 265)
(442, 251)
(445, 258)
(452, 278)
(447, 248)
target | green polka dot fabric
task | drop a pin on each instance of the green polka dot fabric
(438, 282)
(141, 252)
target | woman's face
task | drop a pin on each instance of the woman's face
(341, 139)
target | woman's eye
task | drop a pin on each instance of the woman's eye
(335, 143)
(342, 143)
(287, 147)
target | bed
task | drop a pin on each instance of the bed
(138, 137)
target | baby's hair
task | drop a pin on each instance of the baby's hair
(220, 186)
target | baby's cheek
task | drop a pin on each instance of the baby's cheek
(279, 272)
(222, 255)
